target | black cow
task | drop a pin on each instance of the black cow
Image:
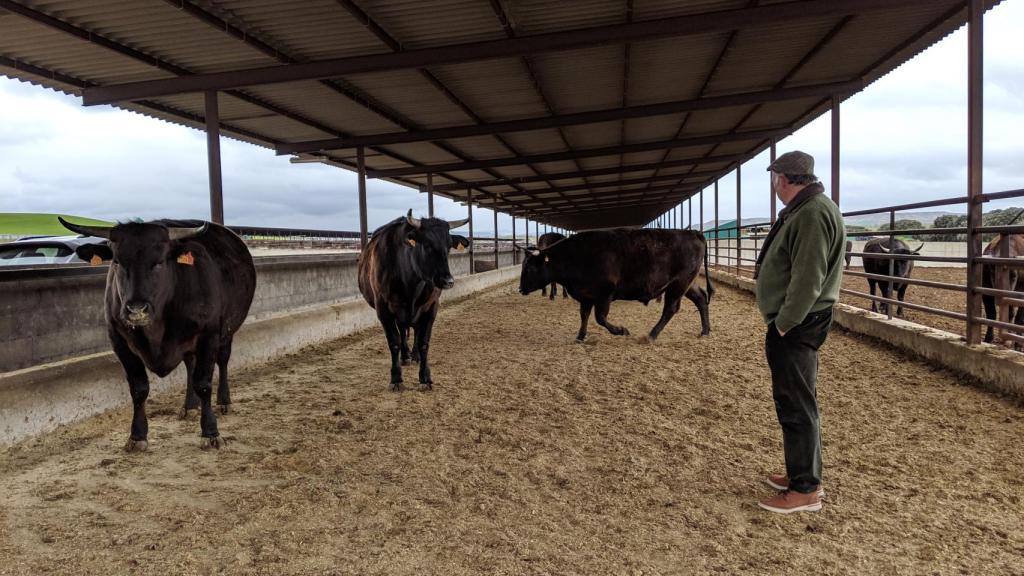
(880, 266)
(401, 274)
(600, 266)
(1015, 249)
(545, 241)
(176, 290)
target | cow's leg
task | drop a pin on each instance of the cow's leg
(223, 390)
(886, 289)
(601, 313)
(544, 290)
(554, 291)
(405, 346)
(990, 313)
(585, 308)
(202, 381)
(138, 387)
(874, 305)
(424, 327)
(191, 400)
(900, 292)
(414, 353)
(699, 297)
(672, 299)
(394, 336)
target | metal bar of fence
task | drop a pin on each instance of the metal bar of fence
(910, 281)
(902, 207)
(1001, 195)
(913, 232)
(951, 259)
(1014, 262)
(998, 293)
(929, 309)
(998, 324)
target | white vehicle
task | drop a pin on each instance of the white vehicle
(35, 250)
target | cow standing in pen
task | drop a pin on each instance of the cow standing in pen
(177, 290)
(1015, 249)
(545, 241)
(599, 267)
(402, 271)
(880, 266)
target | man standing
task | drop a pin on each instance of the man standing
(798, 275)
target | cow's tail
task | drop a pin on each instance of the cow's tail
(707, 275)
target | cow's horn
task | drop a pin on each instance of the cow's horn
(452, 225)
(883, 248)
(97, 231)
(184, 233)
(918, 249)
(414, 222)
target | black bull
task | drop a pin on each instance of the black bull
(599, 267)
(176, 291)
(402, 271)
(546, 240)
(880, 267)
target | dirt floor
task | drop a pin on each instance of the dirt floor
(534, 455)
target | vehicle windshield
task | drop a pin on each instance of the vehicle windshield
(28, 254)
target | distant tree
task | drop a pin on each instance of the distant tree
(903, 225)
(949, 221)
(1001, 218)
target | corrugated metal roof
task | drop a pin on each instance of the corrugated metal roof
(71, 44)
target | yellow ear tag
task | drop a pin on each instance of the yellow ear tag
(412, 242)
(95, 260)
(460, 247)
(187, 259)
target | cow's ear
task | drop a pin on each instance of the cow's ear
(95, 254)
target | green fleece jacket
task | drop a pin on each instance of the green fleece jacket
(803, 266)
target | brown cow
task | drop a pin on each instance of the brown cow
(1016, 279)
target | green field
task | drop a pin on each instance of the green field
(28, 224)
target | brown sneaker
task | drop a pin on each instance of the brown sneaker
(789, 501)
(781, 482)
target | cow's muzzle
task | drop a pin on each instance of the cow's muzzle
(137, 313)
(446, 282)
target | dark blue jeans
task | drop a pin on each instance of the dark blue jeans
(793, 360)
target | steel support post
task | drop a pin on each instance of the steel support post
(739, 221)
(472, 242)
(975, 77)
(771, 189)
(835, 149)
(361, 171)
(430, 194)
(213, 158)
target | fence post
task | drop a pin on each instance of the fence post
(975, 94)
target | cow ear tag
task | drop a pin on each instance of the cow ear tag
(95, 260)
(187, 259)
(411, 242)
(460, 247)
(547, 259)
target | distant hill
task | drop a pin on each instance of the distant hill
(29, 224)
(876, 220)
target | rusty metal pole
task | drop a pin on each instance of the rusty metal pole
(430, 194)
(361, 171)
(835, 149)
(515, 252)
(771, 189)
(536, 230)
(472, 242)
(739, 222)
(700, 204)
(495, 238)
(975, 93)
(716, 223)
(213, 158)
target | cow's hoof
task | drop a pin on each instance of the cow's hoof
(646, 339)
(405, 362)
(216, 442)
(580, 340)
(704, 333)
(224, 408)
(136, 445)
(426, 386)
(624, 332)
(396, 386)
(188, 413)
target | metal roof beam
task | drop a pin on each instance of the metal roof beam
(601, 196)
(693, 24)
(585, 153)
(593, 172)
(611, 183)
(596, 116)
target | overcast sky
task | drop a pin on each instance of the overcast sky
(903, 140)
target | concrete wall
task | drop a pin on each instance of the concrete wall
(993, 367)
(39, 398)
(50, 314)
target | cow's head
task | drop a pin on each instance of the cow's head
(144, 259)
(901, 268)
(459, 243)
(430, 240)
(536, 272)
